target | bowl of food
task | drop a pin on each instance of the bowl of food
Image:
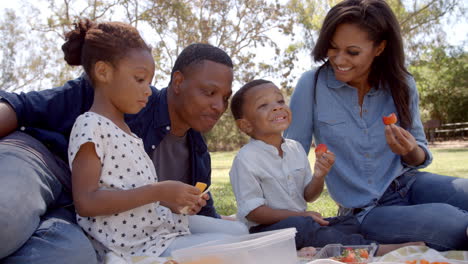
(357, 254)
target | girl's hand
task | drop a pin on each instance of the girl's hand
(178, 193)
(400, 141)
(323, 163)
(199, 205)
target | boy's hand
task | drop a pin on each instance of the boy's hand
(317, 217)
(323, 163)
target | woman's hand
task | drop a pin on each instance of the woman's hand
(401, 142)
(323, 163)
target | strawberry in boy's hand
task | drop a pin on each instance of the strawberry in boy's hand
(324, 160)
(321, 148)
(390, 119)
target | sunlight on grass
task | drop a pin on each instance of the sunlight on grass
(452, 162)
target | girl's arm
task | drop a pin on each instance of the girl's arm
(267, 216)
(91, 201)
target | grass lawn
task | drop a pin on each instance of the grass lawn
(452, 162)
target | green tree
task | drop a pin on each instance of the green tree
(237, 26)
(420, 20)
(442, 78)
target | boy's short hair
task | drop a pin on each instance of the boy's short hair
(237, 101)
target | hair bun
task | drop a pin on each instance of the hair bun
(74, 41)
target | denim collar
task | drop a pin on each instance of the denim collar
(161, 115)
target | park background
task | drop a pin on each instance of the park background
(266, 39)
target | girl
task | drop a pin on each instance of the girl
(115, 189)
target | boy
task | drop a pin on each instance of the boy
(271, 176)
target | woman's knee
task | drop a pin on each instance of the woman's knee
(450, 190)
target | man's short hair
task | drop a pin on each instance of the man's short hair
(197, 53)
(237, 102)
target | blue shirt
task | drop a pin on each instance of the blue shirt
(365, 165)
(49, 115)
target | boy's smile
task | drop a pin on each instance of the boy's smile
(265, 112)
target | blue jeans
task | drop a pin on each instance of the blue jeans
(36, 224)
(421, 206)
(342, 230)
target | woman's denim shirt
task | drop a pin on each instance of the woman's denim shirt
(365, 165)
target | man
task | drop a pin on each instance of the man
(37, 219)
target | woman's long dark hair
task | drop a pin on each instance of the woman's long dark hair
(388, 69)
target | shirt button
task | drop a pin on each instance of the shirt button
(22, 128)
(153, 147)
(168, 128)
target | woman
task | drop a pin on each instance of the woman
(341, 104)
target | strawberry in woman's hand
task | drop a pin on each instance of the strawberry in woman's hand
(390, 119)
(321, 148)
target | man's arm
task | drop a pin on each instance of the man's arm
(51, 109)
(8, 119)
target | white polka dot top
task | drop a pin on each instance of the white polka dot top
(146, 230)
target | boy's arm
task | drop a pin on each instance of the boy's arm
(314, 189)
(267, 216)
(323, 164)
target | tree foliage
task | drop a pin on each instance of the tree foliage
(442, 78)
(282, 31)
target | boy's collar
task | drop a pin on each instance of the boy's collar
(268, 147)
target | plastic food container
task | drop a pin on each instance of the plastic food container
(273, 247)
(337, 250)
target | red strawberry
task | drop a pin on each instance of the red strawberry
(390, 119)
(321, 148)
(363, 253)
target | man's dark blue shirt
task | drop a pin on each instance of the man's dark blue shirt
(49, 115)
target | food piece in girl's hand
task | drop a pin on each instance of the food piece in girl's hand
(321, 148)
(201, 186)
(390, 119)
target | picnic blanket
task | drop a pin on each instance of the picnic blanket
(114, 259)
(412, 253)
(401, 255)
